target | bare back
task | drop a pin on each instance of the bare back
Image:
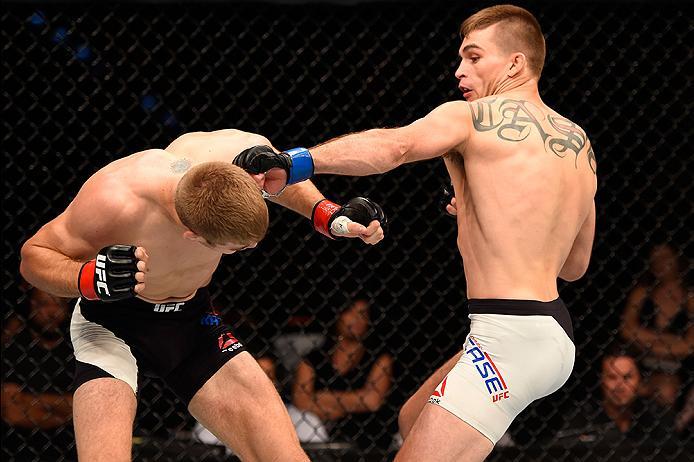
(130, 201)
(524, 182)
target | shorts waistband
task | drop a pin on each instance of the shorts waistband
(555, 308)
(137, 306)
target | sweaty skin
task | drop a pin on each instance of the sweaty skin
(131, 201)
(524, 176)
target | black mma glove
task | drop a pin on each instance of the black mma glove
(297, 162)
(111, 275)
(359, 209)
(447, 194)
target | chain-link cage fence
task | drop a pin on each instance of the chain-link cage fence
(86, 84)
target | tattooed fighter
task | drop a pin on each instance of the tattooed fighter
(524, 181)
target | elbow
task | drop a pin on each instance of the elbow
(399, 149)
(571, 275)
(24, 266)
(574, 271)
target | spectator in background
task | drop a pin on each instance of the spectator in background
(346, 382)
(621, 414)
(658, 321)
(37, 374)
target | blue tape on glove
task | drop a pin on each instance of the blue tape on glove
(302, 165)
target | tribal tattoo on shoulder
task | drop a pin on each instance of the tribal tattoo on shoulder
(591, 160)
(515, 122)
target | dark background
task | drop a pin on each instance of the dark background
(84, 84)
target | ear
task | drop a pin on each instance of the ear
(191, 236)
(518, 63)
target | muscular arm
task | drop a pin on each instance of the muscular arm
(52, 258)
(576, 263)
(380, 150)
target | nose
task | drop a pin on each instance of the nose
(459, 73)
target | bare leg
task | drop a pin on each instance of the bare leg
(440, 436)
(103, 414)
(241, 407)
(413, 407)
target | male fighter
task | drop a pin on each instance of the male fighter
(138, 245)
(525, 179)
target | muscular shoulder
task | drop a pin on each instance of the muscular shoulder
(108, 196)
(191, 139)
(222, 145)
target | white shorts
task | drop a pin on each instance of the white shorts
(509, 361)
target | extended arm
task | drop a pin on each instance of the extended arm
(380, 150)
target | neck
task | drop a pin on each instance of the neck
(525, 88)
(621, 415)
(167, 197)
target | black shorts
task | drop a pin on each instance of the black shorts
(183, 343)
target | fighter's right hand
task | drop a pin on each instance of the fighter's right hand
(452, 207)
(116, 273)
(296, 164)
(447, 200)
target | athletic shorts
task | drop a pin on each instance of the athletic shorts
(183, 343)
(516, 352)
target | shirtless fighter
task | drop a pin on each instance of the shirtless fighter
(524, 178)
(138, 245)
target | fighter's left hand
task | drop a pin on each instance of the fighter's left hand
(372, 234)
(360, 217)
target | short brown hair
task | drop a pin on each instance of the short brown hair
(519, 29)
(221, 203)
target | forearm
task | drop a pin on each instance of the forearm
(366, 153)
(670, 346)
(50, 271)
(300, 198)
(348, 401)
